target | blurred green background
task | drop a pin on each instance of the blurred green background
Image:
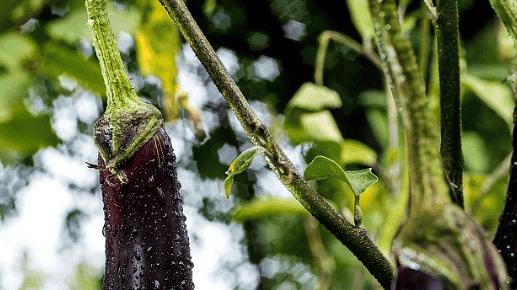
(51, 93)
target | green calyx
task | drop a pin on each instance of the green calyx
(446, 243)
(128, 122)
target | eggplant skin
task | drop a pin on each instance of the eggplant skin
(411, 279)
(147, 245)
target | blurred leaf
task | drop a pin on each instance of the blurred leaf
(13, 88)
(360, 14)
(495, 95)
(322, 168)
(307, 127)
(356, 152)
(24, 133)
(59, 60)
(15, 48)
(314, 98)
(239, 164)
(85, 278)
(73, 27)
(475, 152)
(209, 7)
(263, 208)
(6, 7)
(158, 43)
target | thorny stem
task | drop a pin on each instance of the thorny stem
(406, 81)
(324, 40)
(450, 108)
(355, 238)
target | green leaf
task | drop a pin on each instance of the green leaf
(360, 14)
(314, 98)
(355, 152)
(13, 88)
(59, 60)
(322, 167)
(228, 182)
(263, 208)
(73, 27)
(239, 164)
(309, 127)
(15, 48)
(495, 95)
(24, 133)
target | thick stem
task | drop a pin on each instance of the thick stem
(450, 108)
(355, 238)
(118, 87)
(406, 81)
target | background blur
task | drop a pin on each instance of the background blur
(51, 93)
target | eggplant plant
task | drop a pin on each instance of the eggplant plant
(439, 246)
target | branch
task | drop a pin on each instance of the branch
(355, 238)
(450, 106)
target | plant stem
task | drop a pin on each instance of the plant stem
(119, 90)
(450, 106)
(355, 238)
(406, 81)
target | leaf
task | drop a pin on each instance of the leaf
(158, 43)
(15, 48)
(495, 95)
(24, 133)
(355, 152)
(73, 27)
(360, 14)
(322, 167)
(314, 98)
(239, 164)
(263, 208)
(60, 60)
(228, 182)
(13, 88)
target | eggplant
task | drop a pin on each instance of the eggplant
(147, 245)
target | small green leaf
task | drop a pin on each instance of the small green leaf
(359, 180)
(228, 182)
(314, 98)
(263, 208)
(322, 167)
(239, 164)
(495, 95)
(360, 14)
